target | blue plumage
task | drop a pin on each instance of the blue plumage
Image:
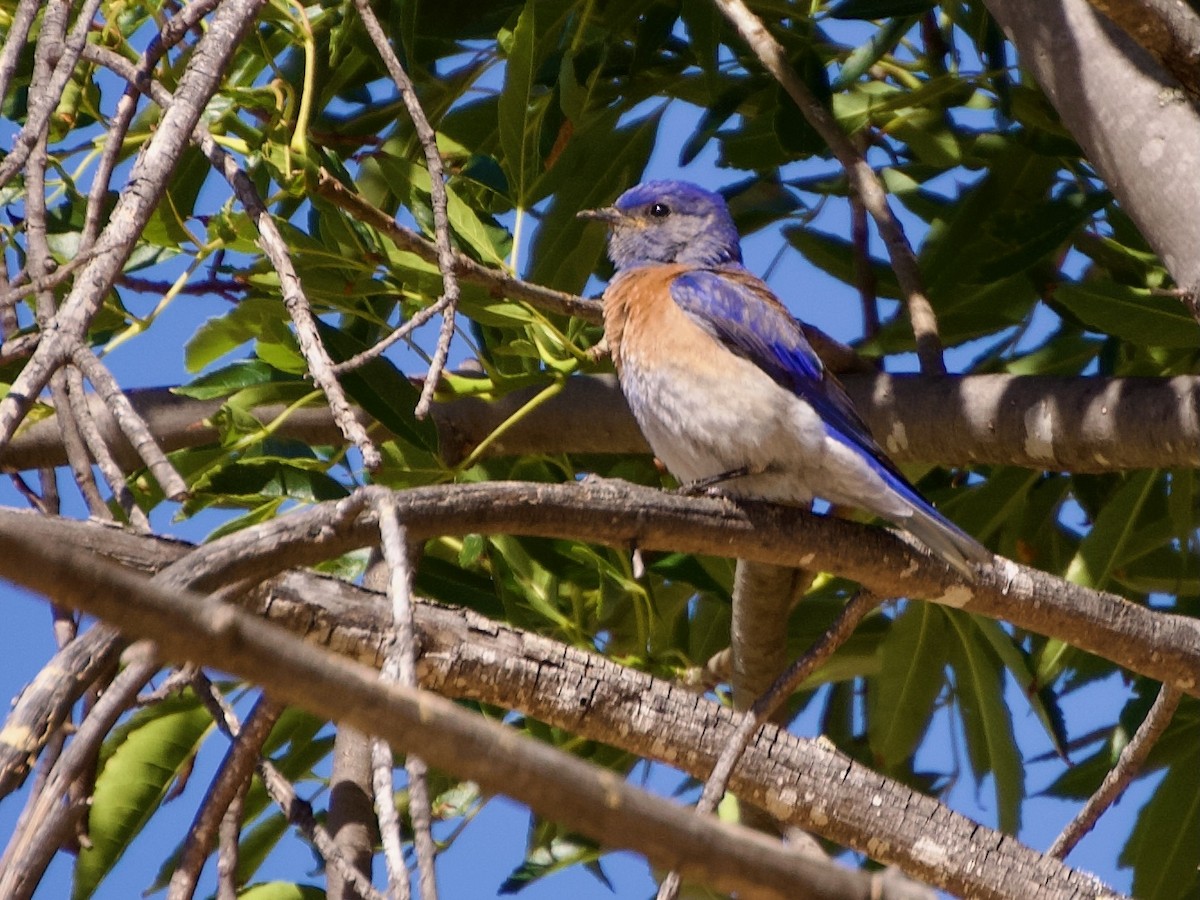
(721, 378)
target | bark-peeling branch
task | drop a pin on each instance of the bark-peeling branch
(192, 627)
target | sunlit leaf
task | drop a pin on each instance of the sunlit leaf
(140, 762)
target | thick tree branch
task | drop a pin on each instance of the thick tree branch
(804, 783)
(1039, 422)
(190, 626)
(1166, 29)
(1162, 646)
(1135, 125)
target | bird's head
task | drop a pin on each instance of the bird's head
(669, 222)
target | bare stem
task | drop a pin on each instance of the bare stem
(835, 635)
(437, 196)
(1129, 763)
(863, 180)
(230, 781)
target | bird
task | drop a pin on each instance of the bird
(723, 383)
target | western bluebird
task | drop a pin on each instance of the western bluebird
(722, 380)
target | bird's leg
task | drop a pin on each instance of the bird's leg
(699, 486)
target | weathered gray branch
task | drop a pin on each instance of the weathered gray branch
(805, 783)
(1135, 124)
(594, 801)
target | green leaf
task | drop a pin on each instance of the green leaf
(1129, 313)
(548, 856)
(230, 379)
(595, 167)
(281, 890)
(522, 108)
(835, 256)
(256, 478)
(1164, 848)
(140, 761)
(167, 224)
(254, 318)
(1019, 665)
(987, 724)
(489, 242)
(867, 54)
(912, 674)
(1104, 547)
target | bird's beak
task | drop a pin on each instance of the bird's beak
(609, 214)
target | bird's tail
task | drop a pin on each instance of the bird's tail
(946, 540)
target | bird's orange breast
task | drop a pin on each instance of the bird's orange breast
(639, 312)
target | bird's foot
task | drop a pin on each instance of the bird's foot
(705, 485)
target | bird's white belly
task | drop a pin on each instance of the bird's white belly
(727, 417)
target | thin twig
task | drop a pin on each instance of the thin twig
(437, 196)
(179, 679)
(384, 789)
(1129, 763)
(172, 32)
(45, 101)
(231, 779)
(295, 301)
(864, 275)
(132, 424)
(835, 635)
(14, 43)
(105, 461)
(498, 282)
(40, 268)
(69, 417)
(862, 177)
(299, 812)
(400, 666)
(418, 319)
(228, 855)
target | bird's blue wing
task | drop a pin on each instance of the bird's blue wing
(740, 311)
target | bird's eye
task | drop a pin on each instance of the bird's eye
(660, 210)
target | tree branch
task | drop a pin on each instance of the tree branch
(1168, 31)
(190, 626)
(1050, 423)
(1130, 763)
(804, 783)
(1095, 76)
(1162, 646)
